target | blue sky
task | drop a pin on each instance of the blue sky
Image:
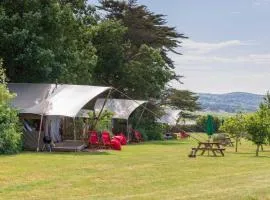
(228, 46)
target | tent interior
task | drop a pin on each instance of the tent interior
(122, 110)
(51, 109)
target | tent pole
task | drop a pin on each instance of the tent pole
(138, 122)
(100, 112)
(74, 129)
(128, 132)
(39, 131)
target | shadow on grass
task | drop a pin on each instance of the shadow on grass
(168, 142)
(240, 153)
(92, 153)
(251, 154)
(81, 153)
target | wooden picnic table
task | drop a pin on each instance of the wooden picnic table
(214, 147)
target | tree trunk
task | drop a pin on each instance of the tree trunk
(257, 150)
(236, 144)
(261, 147)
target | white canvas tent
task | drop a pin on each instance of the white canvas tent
(170, 117)
(29, 96)
(53, 100)
(121, 108)
(84, 113)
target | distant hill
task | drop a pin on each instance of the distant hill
(230, 102)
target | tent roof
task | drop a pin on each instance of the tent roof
(29, 96)
(170, 117)
(121, 108)
(84, 113)
(63, 100)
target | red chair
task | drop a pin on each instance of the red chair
(122, 138)
(115, 144)
(184, 135)
(106, 139)
(93, 139)
(138, 136)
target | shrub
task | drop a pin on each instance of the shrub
(201, 123)
(143, 132)
(10, 134)
(10, 131)
(152, 131)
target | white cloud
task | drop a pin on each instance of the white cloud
(261, 59)
(224, 66)
(200, 53)
(193, 47)
(260, 2)
(235, 12)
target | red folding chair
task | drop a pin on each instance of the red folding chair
(106, 139)
(115, 144)
(93, 139)
(122, 138)
(138, 136)
(184, 135)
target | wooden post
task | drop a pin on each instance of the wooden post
(39, 132)
(74, 129)
(140, 117)
(128, 132)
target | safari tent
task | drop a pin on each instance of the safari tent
(51, 104)
(121, 109)
(170, 116)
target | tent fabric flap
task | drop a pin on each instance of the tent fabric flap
(29, 96)
(170, 117)
(52, 99)
(68, 100)
(121, 108)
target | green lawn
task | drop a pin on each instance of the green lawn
(157, 170)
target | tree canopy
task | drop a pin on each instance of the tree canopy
(126, 46)
(42, 41)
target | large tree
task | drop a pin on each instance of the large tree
(135, 57)
(144, 27)
(42, 41)
(181, 99)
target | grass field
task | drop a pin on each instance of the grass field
(156, 170)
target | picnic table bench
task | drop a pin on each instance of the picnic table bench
(214, 147)
(228, 141)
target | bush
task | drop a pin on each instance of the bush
(143, 132)
(201, 123)
(10, 134)
(152, 131)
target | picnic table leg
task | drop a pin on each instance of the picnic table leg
(202, 152)
(221, 151)
(214, 153)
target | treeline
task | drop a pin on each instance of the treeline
(116, 43)
(254, 127)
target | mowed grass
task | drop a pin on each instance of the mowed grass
(154, 170)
